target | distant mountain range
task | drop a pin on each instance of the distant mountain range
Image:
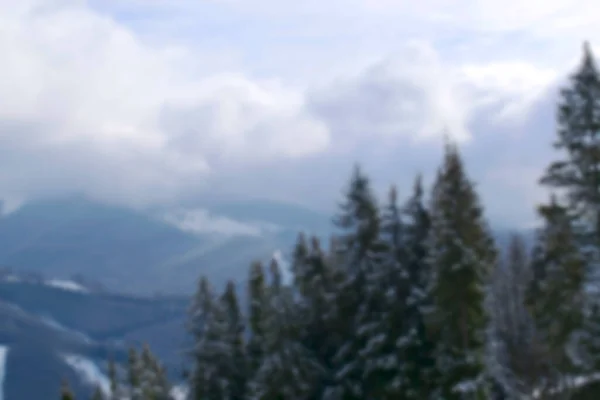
(163, 251)
(50, 332)
(140, 253)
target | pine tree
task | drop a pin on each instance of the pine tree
(388, 333)
(303, 271)
(517, 358)
(419, 361)
(316, 277)
(211, 353)
(162, 386)
(153, 379)
(257, 291)
(417, 229)
(219, 359)
(358, 298)
(147, 377)
(134, 378)
(392, 227)
(238, 367)
(556, 296)
(288, 369)
(113, 380)
(358, 222)
(462, 256)
(577, 175)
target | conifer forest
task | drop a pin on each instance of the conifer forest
(411, 299)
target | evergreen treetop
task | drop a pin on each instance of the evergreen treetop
(578, 122)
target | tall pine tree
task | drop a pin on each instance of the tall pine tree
(235, 341)
(518, 360)
(315, 277)
(358, 297)
(556, 295)
(288, 369)
(210, 355)
(577, 175)
(257, 316)
(386, 332)
(419, 362)
(462, 257)
(134, 375)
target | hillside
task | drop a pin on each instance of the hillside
(124, 250)
(48, 333)
(131, 252)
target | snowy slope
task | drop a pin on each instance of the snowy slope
(88, 371)
(66, 285)
(56, 334)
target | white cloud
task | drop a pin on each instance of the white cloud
(87, 106)
(509, 88)
(415, 95)
(409, 95)
(124, 99)
(232, 119)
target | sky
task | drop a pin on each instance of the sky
(165, 102)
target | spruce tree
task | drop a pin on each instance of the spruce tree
(211, 353)
(517, 358)
(577, 175)
(416, 233)
(300, 271)
(238, 362)
(419, 362)
(147, 377)
(113, 380)
(162, 386)
(288, 369)
(462, 256)
(153, 379)
(556, 296)
(134, 378)
(389, 331)
(257, 291)
(316, 278)
(358, 297)
(358, 223)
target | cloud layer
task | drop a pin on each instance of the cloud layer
(153, 102)
(88, 107)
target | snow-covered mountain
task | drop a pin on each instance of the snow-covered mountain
(51, 332)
